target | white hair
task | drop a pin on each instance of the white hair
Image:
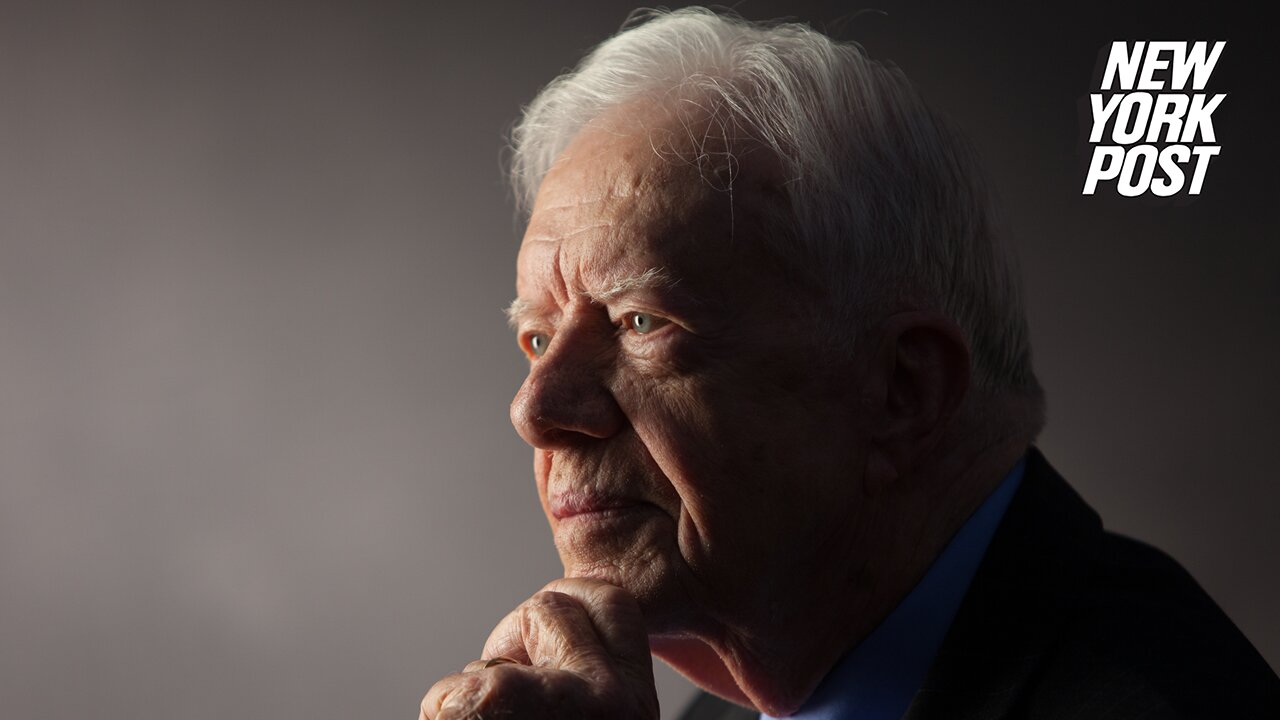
(886, 202)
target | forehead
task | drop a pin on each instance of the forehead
(637, 192)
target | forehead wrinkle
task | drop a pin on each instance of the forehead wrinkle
(602, 207)
(578, 202)
(583, 229)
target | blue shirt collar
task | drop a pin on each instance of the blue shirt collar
(878, 679)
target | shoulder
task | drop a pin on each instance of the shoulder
(1066, 621)
(1141, 638)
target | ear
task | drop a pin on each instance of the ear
(920, 371)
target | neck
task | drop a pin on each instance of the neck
(773, 662)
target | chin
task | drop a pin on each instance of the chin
(649, 576)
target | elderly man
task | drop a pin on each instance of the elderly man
(782, 408)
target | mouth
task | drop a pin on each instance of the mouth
(574, 504)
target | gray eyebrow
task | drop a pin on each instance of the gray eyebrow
(515, 311)
(652, 278)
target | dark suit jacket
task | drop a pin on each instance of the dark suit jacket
(1067, 621)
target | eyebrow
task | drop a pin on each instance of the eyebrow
(517, 311)
(651, 279)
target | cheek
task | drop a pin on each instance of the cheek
(542, 471)
(696, 439)
(667, 413)
(732, 435)
(753, 441)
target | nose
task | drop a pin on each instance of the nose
(564, 400)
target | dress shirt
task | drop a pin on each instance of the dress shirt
(878, 679)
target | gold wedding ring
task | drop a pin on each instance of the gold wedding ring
(500, 660)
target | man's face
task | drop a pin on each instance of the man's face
(692, 443)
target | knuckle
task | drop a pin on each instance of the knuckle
(504, 690)
(552, 600)
(503, 680)
(541, 615)
(530, 631)
(506, 636)
(458, 697)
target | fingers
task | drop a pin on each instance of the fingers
(551, 629)
(579, 649)
(499, 691)
(614, 614)
(487, 663)
(577, 624)
(451, 687)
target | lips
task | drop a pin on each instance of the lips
(570, 504)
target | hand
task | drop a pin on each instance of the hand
(581, 651)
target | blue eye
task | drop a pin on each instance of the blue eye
(538, 343)
(642, 322)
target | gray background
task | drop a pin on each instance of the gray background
(254, 451)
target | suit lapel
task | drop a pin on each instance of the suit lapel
(1037, 561)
